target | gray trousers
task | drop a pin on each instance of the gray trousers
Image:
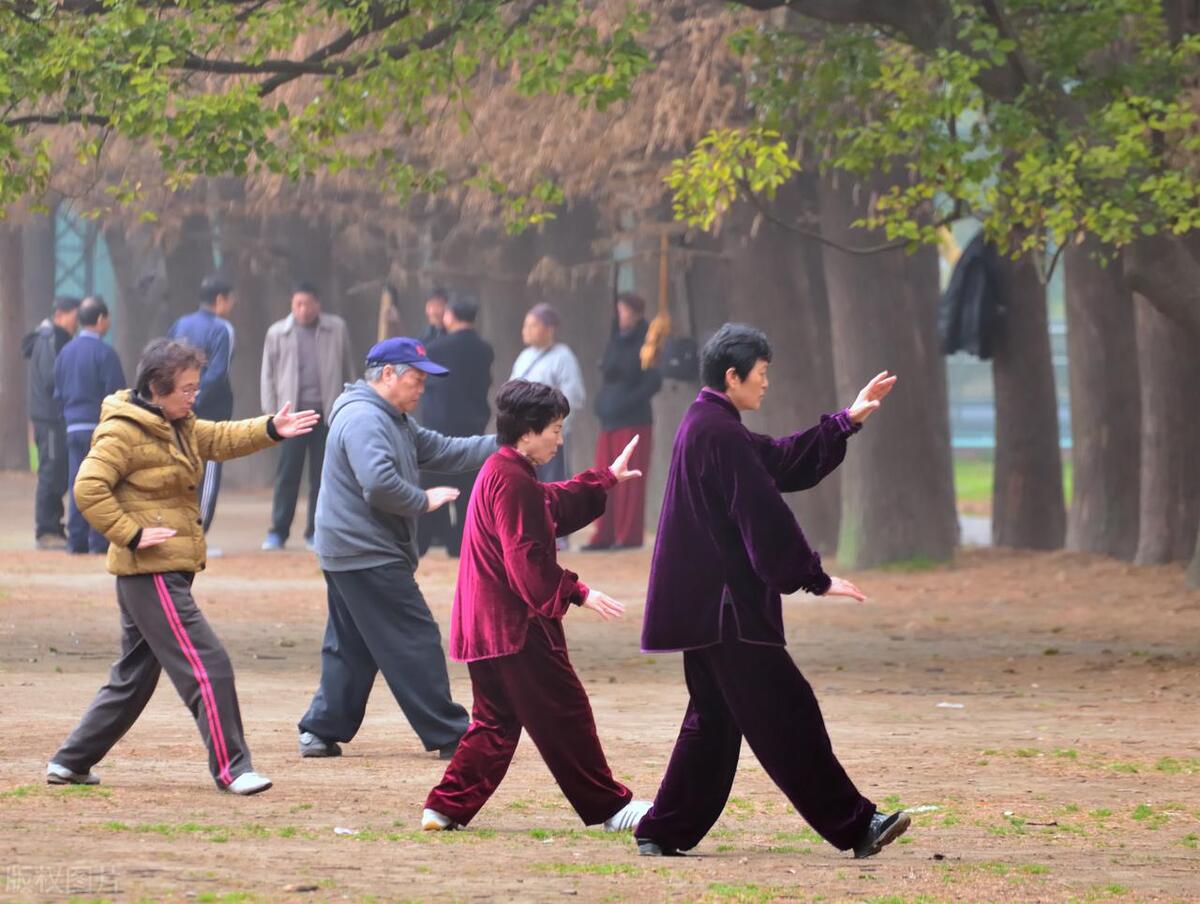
(162, 628)
(379, 622)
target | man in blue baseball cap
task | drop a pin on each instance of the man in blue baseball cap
(366, 541)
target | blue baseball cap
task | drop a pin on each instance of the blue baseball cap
(402, 350)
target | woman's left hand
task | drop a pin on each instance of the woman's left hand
(871, 396)
(290, 423)
(620, 467)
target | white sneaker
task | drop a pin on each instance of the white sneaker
(248, 783)
(627, 818)
(433, 821)
(61, 775)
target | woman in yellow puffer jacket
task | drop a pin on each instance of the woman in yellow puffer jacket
(137, 486)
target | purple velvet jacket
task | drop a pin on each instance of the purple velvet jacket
(725, 527)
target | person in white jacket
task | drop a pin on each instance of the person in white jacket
(546, 360)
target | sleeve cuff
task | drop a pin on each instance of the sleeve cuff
(581, 593)
(607, 478)
(845, 426)
(818, 582)
(271, 431)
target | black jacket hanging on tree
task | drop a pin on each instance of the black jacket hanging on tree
(972, 308)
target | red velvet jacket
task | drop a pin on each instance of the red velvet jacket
(508, 574)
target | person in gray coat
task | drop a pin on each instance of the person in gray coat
(366, 541)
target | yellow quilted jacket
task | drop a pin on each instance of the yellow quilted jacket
(143, 471)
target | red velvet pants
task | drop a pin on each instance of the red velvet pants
(623, 521)
(538, 690)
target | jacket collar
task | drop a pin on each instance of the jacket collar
(719, 400)
(511, 454)
(290, 320)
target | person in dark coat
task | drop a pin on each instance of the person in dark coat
(435, 316)
(41, 348)
(86, 371)
(208, 329)
(623, 407)
(456, 405)
(728, 545)
(507, 622)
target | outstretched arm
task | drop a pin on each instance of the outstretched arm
(804, 459)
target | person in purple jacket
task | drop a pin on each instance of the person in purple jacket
(727, 547)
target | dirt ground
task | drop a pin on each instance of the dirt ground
(1039, 713)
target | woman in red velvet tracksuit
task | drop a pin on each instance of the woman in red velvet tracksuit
(506, 623)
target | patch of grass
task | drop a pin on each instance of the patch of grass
(806, 835)
(1069, 753)
(973, 478)
(1131, 768)
(893, 802)
(1152, 818)
(1101, 814)
(84, 791)
(1026, 753)
(1034, 869)
(590, 869)
(726, 848)
(20, 791)
(912, 566)
(1190, 840)
(1170, 765)
(749, 893)
(229, 897)
(1012, 825)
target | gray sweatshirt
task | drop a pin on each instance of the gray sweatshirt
(556, 366)
(370, 485)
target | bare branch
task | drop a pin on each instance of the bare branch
(58, 119)
(880, 248)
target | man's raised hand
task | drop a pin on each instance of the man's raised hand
(871, 396)
(436, 497)
(620, 466)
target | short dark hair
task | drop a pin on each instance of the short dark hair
(213, 287)
(464, 309)
(306, 287)
(439, 292)
(160, 364)
(64, 304)
(523, 406)
(91, 309)
(635, 303)
(734, 345)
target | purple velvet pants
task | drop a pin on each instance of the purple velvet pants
(739, 689)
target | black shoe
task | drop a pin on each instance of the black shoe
(313, 746)
(881, 831)
(648, 848)
(446, 751)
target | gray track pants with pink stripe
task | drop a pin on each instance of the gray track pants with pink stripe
(163, 628)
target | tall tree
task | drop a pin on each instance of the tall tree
(1027, 501)
(1106, 412)
(897, 486)
(14, 445)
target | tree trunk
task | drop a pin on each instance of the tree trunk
(1028, 511)
(38, 265)
(189, 258)
(141, 289)
(897, 480)
(1170, 503)
(1106, 414)
(776, 280)
(14, 439)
